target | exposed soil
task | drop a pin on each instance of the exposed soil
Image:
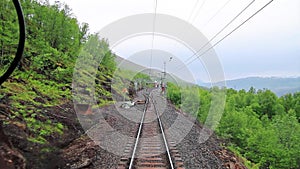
(75, 150)
(35, 155)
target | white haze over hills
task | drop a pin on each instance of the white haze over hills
(267, 45)
(279, 85)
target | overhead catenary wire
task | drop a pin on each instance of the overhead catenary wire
(236, 28)
(197, 1)
(152, 42)
(216, 14)
(197, 12)
(230, 22)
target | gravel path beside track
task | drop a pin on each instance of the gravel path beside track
(85, 153)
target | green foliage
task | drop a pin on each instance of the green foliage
(205, 102)
(190, 100)
(246, 162)
(258, 125)
(261, 129)
(39, 140)
(44, 76)
(141, 77)
(123, 78)
(93, 72)
(8, 33)
(187, 98)
(174, 93)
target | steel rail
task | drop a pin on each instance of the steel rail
(138, 135)
(164, 137)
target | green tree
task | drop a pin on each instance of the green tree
(266, 99)
(8, 32)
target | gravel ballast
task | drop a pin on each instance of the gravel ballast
(86, 153)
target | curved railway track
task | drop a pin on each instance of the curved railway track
(151, 149)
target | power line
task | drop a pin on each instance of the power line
(153, 28)
(232, 31)
(219, 10)
(232, 20)
(197, 1)
(197, 13)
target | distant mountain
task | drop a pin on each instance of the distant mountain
(128, 65)
(280, 86)
(156, 74)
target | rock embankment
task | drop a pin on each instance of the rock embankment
(75, 149)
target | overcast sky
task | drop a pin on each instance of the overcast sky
(267, 45)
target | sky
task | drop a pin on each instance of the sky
(267, 45)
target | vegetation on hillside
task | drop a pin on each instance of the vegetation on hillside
(257, 125)
(61, 58)
(43, 79)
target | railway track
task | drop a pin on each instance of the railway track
(151, 149)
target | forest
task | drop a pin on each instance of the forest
(43, 79)
(256, 124)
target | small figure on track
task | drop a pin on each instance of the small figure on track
(163, 88)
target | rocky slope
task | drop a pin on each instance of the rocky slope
(74, 149)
